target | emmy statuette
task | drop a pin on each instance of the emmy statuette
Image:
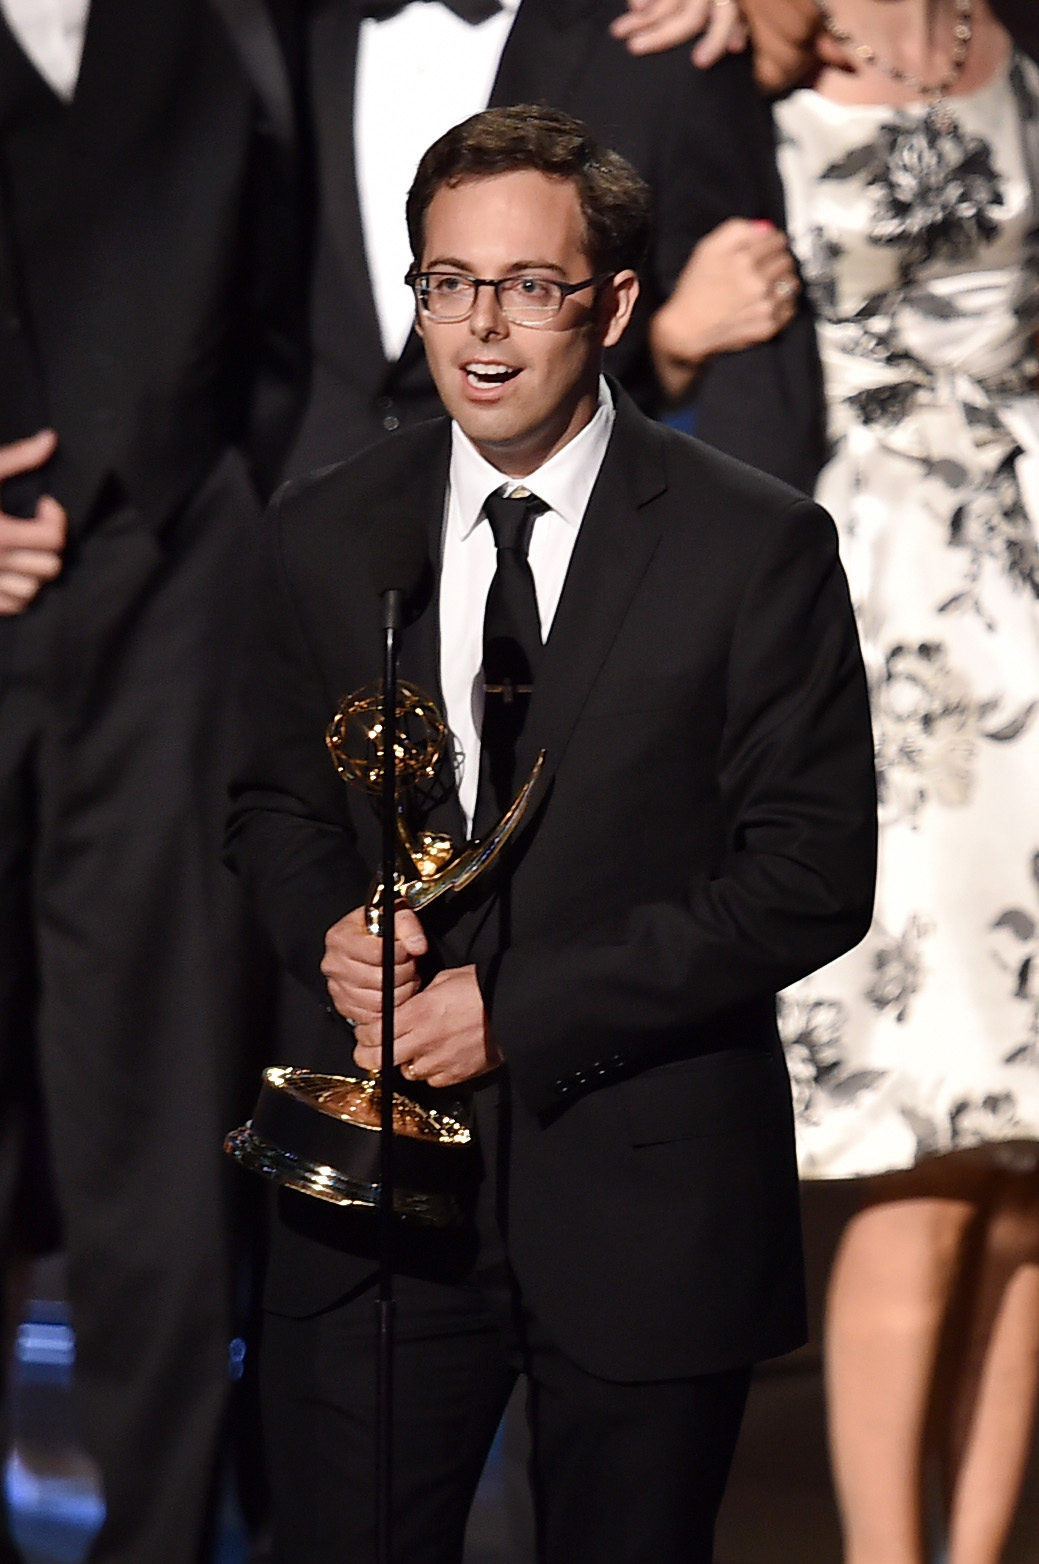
(319, 1133)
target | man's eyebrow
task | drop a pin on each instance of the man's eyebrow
(516, 266)
(447, 260)
(537, 266)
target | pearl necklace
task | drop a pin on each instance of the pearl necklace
(867, 55)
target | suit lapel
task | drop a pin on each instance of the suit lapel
(423, 493)
(547, 45)
(126, 60)
(255, 38)
(127, 50)
(20, 82)
(333, 72)
(420, 492)
(617, 540)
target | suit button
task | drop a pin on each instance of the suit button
(391, 422)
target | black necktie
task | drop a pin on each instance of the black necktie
(511, 652)
(469, 10)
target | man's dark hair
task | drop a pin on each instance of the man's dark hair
(615, 199)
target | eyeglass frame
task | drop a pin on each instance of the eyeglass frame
(565, 290)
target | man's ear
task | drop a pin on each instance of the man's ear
(618, 300)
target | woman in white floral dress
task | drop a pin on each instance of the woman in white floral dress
(915, 1059)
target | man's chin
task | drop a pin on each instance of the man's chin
(514, 444)
(492, 433)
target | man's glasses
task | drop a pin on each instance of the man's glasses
(523, 300)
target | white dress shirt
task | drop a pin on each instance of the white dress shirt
(51, 33)
(564, 483)
(419, 72)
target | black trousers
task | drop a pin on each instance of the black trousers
(126, 969)
(621, 1473)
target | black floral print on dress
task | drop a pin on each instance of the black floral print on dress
(928, 723)
(1016, 950)
(934, 189)
(813, 1038)
(917, 233)
(992, 521)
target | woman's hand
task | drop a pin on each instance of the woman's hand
(649, 26)
(790, 42)
(738, 287)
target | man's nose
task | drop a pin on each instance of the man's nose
(487, 319)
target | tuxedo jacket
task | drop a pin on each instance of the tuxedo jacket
(702, 140)
(150, 264)
(705, 835)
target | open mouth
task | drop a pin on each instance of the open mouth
(488, 375)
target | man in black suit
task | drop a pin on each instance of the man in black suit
(147, 317)
(384, 77)
(705, 832)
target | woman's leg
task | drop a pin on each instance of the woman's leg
(994, 1377)
(895, 1273)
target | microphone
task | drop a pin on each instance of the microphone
(398, 557)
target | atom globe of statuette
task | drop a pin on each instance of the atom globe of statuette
(357, 745)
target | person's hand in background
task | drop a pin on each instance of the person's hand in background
(649, 26)
(738, 287)
(31, 547)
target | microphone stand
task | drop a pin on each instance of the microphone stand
(392, 609)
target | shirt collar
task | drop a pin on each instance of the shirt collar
(564, 482)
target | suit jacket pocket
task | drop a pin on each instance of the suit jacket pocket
(717, 1094)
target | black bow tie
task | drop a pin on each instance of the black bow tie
(469, 10)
